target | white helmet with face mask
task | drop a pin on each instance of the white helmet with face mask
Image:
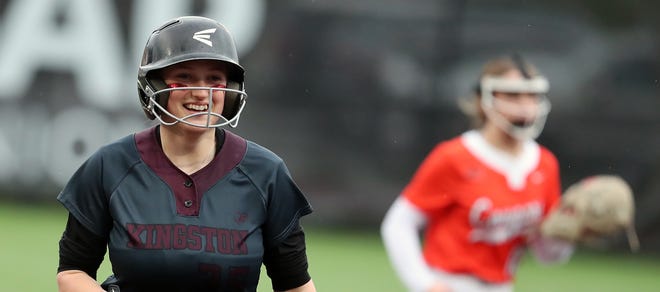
(528, 121)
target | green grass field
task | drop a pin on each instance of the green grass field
(340, 260)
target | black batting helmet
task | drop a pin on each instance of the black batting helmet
(183, 39)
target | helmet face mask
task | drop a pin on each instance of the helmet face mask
(528, 120)
(213, 119)
(185, 39)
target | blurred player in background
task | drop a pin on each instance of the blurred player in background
(185, 205)
(479, 198)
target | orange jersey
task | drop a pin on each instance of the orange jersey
(480, 204)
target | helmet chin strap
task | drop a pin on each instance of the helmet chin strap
(157, 110)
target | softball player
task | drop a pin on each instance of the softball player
(480, 197)
(185, 205)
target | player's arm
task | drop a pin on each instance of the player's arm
(400, 233)
(286, 263)
(81, 254)
(547, 249)
(307, 287)
(76, 280)
(550, 250)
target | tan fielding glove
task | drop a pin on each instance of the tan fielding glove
(594, 207)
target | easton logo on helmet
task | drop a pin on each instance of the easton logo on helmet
(204, 36)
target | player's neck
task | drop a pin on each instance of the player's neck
(502, 141)
(190, 151)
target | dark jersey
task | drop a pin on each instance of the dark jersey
(201, 232)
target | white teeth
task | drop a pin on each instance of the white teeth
(197, 107)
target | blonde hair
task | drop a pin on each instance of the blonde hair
(471, 105)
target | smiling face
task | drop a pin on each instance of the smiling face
(183, 102)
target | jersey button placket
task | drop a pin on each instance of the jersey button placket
(188, 203)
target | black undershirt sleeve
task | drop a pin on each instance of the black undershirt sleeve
(286, 263)
(80, 249)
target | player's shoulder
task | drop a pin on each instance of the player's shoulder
(260, 164)
(117, 155)
(446, 155)
(546, 152)
(454, 145)
(546, 156)
(108, 162)
(121, 147)
(261, 154)
(451, 149)
(256, 155)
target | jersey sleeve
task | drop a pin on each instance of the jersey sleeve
(285, 205)
(85, 198)
(428, 188)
